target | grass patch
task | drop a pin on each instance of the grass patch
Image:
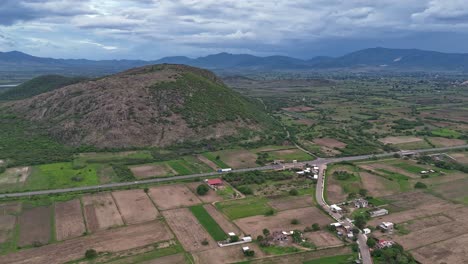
(377, 201)
(154, 254)
(340, 259)
(246, 207)
(61, 175)
(402, 180)
(226, 192)
(278, 250)
(181, 166)
(125, 156)
(409, 167)
(208, 222)
(289, 155)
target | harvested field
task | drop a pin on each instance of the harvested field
(329, 142)
(400, 140)
(207, 162)
(287, 203)
(15, 175)
(323, 239)
(282, 221)
(453, 190)
(375, 166)
(426, 222)
(152, 170)
(461, 157)
(35, 226)
(335, 193)
(232, 254)
(446, 142)
(188, 230)
(239, 158)
(452, 250)
(222, 221)
(209, 197)
(68, 220)
(135, 206)
(378, 186)
(101, 212)
(7, 223)
(172, 259)
(113, 240)
(300, 108)
(172, 196)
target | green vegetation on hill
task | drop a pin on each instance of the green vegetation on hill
(39, 85)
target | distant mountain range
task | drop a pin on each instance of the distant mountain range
(15, 62)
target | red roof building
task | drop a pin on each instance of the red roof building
(216, 181)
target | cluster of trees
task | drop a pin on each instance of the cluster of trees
(255, 177)
(122, 172)
(405, 124)
(393, 255)
(343, 175)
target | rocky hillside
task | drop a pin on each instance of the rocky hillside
(157, 105)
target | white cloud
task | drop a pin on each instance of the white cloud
(98, 44)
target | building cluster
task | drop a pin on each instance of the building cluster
(310, 172)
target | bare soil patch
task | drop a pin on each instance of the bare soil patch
(232, 254)
(113, 240)
(300, 108)
(10, 208)
(172, 196)
(460, 157)
(15, 175)
(68, 220)
(448, 251)
(188, 230)
(172, 259)
(210, 197)
(240, 158)
(446, 142)
(101, 212)
(375, 185)
(152, 170)
(287, 203)
(323, 239)
(207, 162)
(453, 190)
(282, 221)
(7, 223)
(430, 221)
(400, 140)
(329, 142)
(35, 226)
(391, 168)
(135, 206)
(222, 221)
(335, 193)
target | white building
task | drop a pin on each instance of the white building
(335, 208)
(378, 212)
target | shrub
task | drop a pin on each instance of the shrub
(371, 242)
(245, 190)
(249, 253)
(294, 222)
(270, 212)
(146, 190)
(293, 192)
(260, 238)
(90, 254)
(233, 239)
(315, 227)
(266, 232)
(202, 189)
(2, 169)
(205, 242)
(420, 185)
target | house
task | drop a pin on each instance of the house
(335, 208)
(231, 234)
(350, 235)
(378, 212)
(336, 224)
(386, 226)
(424, 172)
(361, 203)
(214, 182)
(245, 249)
(366, 231)
(247, 239)
(385, 243)
(279, 236)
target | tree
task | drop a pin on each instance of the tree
(205, 242)
(202, 189)
(355, 247)
(315, 227)
(371, 242)
(266, 232)
(420, 185)
(233, 239)
(363, 192)
(146, 190)
(90, 253)
(293, 192)
(260, 238)
(294, 221)
(360, 221)
(296, 236)
(249, 253)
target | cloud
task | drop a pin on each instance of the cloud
(98, 44)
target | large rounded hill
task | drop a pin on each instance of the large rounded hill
(157, 105)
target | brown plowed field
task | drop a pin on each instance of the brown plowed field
(282, 221)
(232, 254)
(288, 203)
(375, 185)
(323, 239)
(35, 226)
(172, 196)
(7, 223)
(209, 197)
(135, 206)
(222, 221)
(152, 170)
(113, 240)
(188, 230)
(69, 220)
(101, 212)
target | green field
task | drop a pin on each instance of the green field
(289, 155)
(279, 250)
(341, 259)
(226, 192)
(208, 222)
(188, 165)
(212, 156)
(61, 175)
(246, 207)
(402, 180)
(104, 157)
(409, 168)
(446, 132)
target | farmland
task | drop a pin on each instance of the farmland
(208, 222)
(244, 208)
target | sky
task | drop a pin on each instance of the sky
(151, 29)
